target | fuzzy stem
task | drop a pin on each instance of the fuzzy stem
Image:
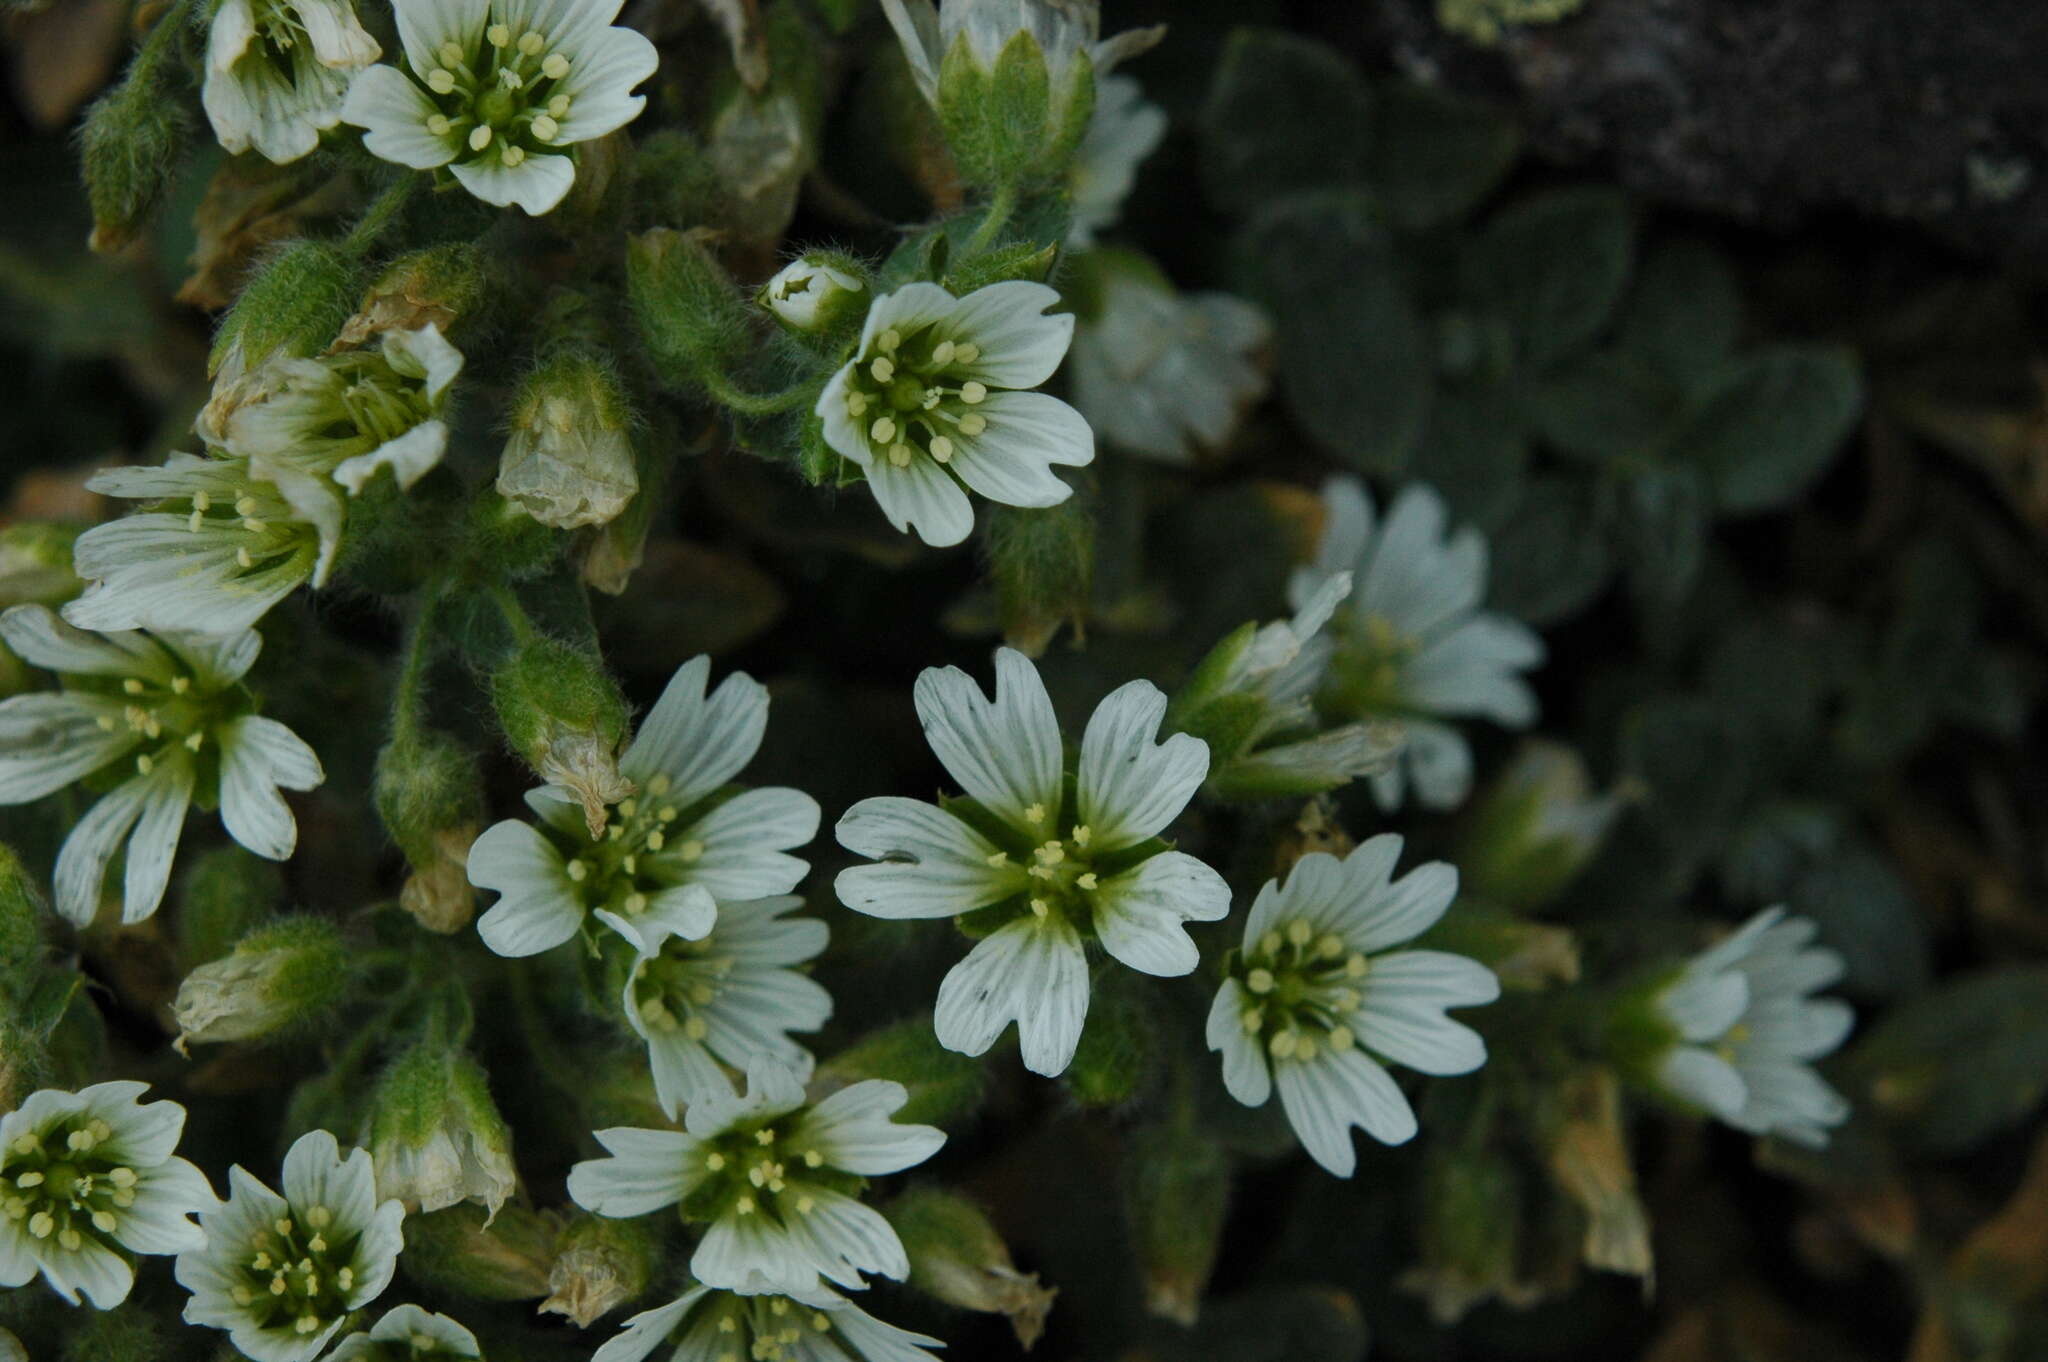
(755, 404)
(994, 220)
(418, 654)
(378, 217)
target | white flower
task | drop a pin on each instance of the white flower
(1125, 128)
(169, 707)
(282, 1273)
(1052, 873)
(218, 547)
(407, 1333)
(1313, 1006)
(771, 1175)
(1067, 33)
(931, 401)
(670, 853)
(807, 294)
(501, 91)
(276, 71)
(1749, 1031)
(707, 1325)
(1160, 373)
(1413, 644)
(722, 999)
(87, 1174)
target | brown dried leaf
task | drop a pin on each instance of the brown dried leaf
(741, 20)
(1589, 1158)
(63, 54)
(249, 205)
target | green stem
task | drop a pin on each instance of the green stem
(412, 669)
(160, 42)
(524, 630)
(382, 212)
(994, 220)
(756, 404)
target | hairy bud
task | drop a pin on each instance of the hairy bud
(436, 1138)
(569, 460)
(957, 1256)
(278, 978)
(600, 1264)
(563, 713)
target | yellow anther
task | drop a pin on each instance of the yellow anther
(81, 1140)
(1283, 1043)
(532, 43)
(70, 1238)
(1001, 858)
(132, 685)
(545, 128)
(441, 83)
(558, 107)
(307, 1324)
(317, 1244)
(715, 1161)
(804, 1205)
(479, 137)
(889, 340)
(42, 1224)
(899, 455)
(498, 35)
(1341, 1039)
(243, 1295)
(554, 68)
(856, 404)
(1331, 946)
(277, 1285)
(745, 1205)
(656, 840)
(261, 1262)
(972, 392)
(1052, 853)
(820, 1323)
(122, 1177)
(345, 1278)
(696, 1028)
(1269, 944)
(883, 430)
(942, 448)
(1259, 981)
(1253, 1020)
(195, 741)
(577, 871)
(243, 560)
(1355, 966)
(106, 721)
(967, 352)
(202, 502)
(942, 353)
(1039, 908)
(690, 850)
(883, 369)
(973, 423)
(765, 1135)
(1082, 832)
(438, 124)
(813, 1159)
(636, 903)
(512, 155)
(1299, 932)
(1086, 880)
(1035, 814)
(144, 764)
(282, 1226)
(194, 521)
(1305, 1047)
(180, 684)
(245, 505)
(28, 1180)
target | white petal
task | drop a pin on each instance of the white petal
(1245, 1074)
(1005, 753)
(934, 865)
(647, 1170)
(536, 184)
(316, 1173)
(700, 743)
(906, 309)
(1413, 578)
(1020, 345)
(408, 457)
(154, 843)
(1032, 972)
(82, 862)
(1788, 1099)
(1347, 532)
(393, 113)
(164, 1197)
(746, 1253)
(1704, 1079)
(1472, 670)
(1129, 787)
(648, 1330)
(1010, 461)
(744, 840)
(1437, 760)
(1138, 914)
(424, 25)
(1402, 1016)
(258, 756)
(1336, 1090)
(540, 908)
(102, 1274)
(1703, 1004)
(920, 498)
(1406, 907)
(600, 76)
(842, 432)
(49, 740)
(41, 639)
(852, 1130)
(842, 1238)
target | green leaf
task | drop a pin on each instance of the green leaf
(1284, 114)
(1662, 534)
(1552, 557)
(1354, 367)
(1867, 913)
(1473, 452)
(1611, 405)
(1774, 424)
(1553, 266)
(1776, 842)
(1685, 311)
(1436, 155)
(1959, 1064)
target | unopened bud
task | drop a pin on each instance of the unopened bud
(438, 285)
(818, 295)
(1471, 1231)
(1115, 1052)
(1042, 562)
(21, 937)
(957, 1256)
(436, 1138)
(132, 144)
(35, 564)
(428, 795)
(291, 307)
(225, 896)
(1176, 1192)
(689, 311)
(278, 978)
(1015, 110)
(563, 713)
(569, 460)
(600, 1264)
(1535, 829)
(464, 1251)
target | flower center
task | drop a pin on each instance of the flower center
(767, 1329)
(673, 989)
(504, 100)
(1365, 675)
(1303, 988)
(1061, 877)
(763, 1171)
(160, 717)
(912, 397)
(62, 1186)
(297, 1273)
(253, 518)
(640, 854)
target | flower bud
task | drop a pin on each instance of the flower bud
(35, 564)
(293, 305)
(21, 937)
(436, 1138)
(227, 893)
(1115, 1053)
(945, 1087)
(437, 285)
(821, 294)
(569, 461)
(600, 1264)
(464, 1251)
(1043, 565)
(278, 978)
(957, 1256)
(1176, 1192)
(1471, 1231)
(563, 713)
(689, 312)
(132, 144)
(1535, 829)
(429, 797)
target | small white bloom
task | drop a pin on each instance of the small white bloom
(501, 91)
(1068, 33)
(407, 1333)
(765, 1170)
(1413, 644)
(282, 1273)
(216, 549)
(1749, 1031)
(931, 405)
(170, 708)
(806, 294)
(86, 1174)
(671, 852)
(276, 71)
(722, 999)
(1125, 128)
(1315, 1002)
(707, 1325)
(1055, 875)
(1165, 374)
